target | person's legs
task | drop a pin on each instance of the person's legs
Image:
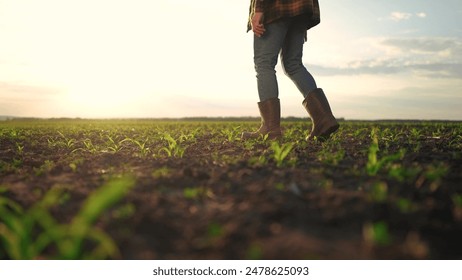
(315, 102)
(266, 51)
(291, 58)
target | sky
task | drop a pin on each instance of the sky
(382, 59)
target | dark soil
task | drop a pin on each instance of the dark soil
(218, 201)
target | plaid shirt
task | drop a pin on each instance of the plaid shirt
(277, 9)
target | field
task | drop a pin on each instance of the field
(184, 189)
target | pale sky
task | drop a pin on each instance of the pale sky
(381, 59)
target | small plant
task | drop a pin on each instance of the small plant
(89, 146)
(457, 199)
(73, 166)
(456, 142)
(30, 234)
(113, 145)
(144, 150)
(280, 186)
(379, 192)
(416, 133)
(124, 211)
(280, 152)
(173, 148)
(197, 193)
(161, 172)
(215, 230)
(405, 205)
(20, 148)
(66, 142)
(249, 144)
(14, 134)
(374, 164)
(377, 233)
(46, 167)
(231, 133)
(434, 174)
(331, 153)
(403, 174)
(260, 160)
(254, 252)
(6, 167)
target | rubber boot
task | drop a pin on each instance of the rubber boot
(270, 112)
(324, 122)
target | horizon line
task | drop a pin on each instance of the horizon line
(215, 118)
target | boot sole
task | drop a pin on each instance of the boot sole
(253, 135)
(325, 135)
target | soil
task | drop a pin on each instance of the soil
(242, 209)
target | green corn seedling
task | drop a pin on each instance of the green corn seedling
(374, 164)
(280, 152)
(27, 234)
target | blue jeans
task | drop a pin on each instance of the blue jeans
(287, 37)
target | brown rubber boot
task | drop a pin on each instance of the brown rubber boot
(324, 123)
(270, 112)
